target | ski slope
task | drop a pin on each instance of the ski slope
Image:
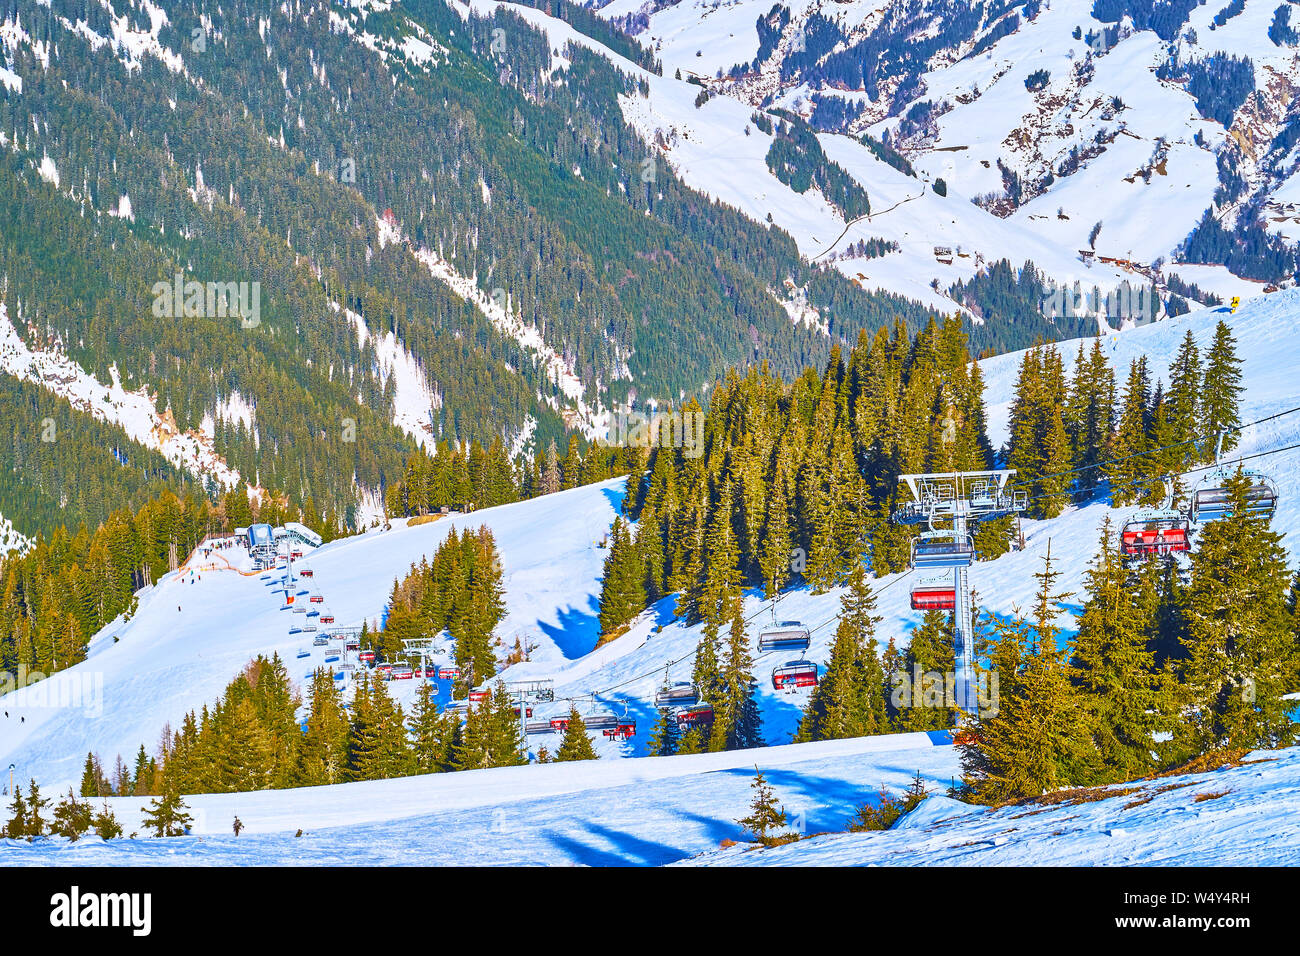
(147, 672)
(607, 812)
(1243, 816)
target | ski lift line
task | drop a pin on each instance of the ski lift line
(1188, 471)
(906, 574)
(632, 680)
(1152, 451)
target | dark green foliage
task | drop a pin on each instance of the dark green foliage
(888, 809)
(460, 591)
(796, 158)
(166, 816)
(576, 744)
(766, 815)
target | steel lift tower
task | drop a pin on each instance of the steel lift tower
(962, 498)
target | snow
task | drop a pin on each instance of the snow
(49, 172)
(642, 812)
(11, 539)
(136, 412)
(1247, 814)
(165, 662)
(414, 399)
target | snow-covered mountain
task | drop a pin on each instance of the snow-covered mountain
(1076, 133)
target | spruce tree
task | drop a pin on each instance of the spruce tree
(1037, 736)
(765, 814)
(16, 827)
(576, 744)
(1130, 701)
(166, 816)
(665, 735)
(1240, 643)
(736, 724)
(1221, 388)
(72, 818)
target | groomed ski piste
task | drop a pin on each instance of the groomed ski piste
(187, 640)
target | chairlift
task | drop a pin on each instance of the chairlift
(699, 714)
(449, 673)
(934, 595)
(327, 618)
(793, 675)
(476, 695)
(1156, 532)
(786, 635)
(317, 599)
(1211, 499)
(601, 720)
(624, 727)
(401, 672)
(538, 727)
(938, 550)
(303, 652)
(366, 657)
(683, 692)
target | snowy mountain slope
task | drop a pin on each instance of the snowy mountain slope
(1245, 816)
(644, 812)
(167, 662)
(187, 640)
(135, 412)
(1146, 156)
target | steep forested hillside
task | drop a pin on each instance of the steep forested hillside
(253, 142)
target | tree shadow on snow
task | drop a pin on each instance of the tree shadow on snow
(576, 633)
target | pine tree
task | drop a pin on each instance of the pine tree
(1131, 437)
(622, 593)
(576, 744)
(666, 734)
(849, 698)
(929, 658)
(36, 805)
(166, 816)
(765, 815)
(1184, 398)
(1241, 648)
(105, 824)
(1130, 701)
(90, 775)
(1037, 736)
(17, 827)
(72, 818)
(736, 722)
(1221, 388)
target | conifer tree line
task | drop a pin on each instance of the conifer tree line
(799, 480)
(30, 817)
(466, 478)
(1067, 436)
(69, 584)
(253, 738)
(459, 591)
(1167, 665)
